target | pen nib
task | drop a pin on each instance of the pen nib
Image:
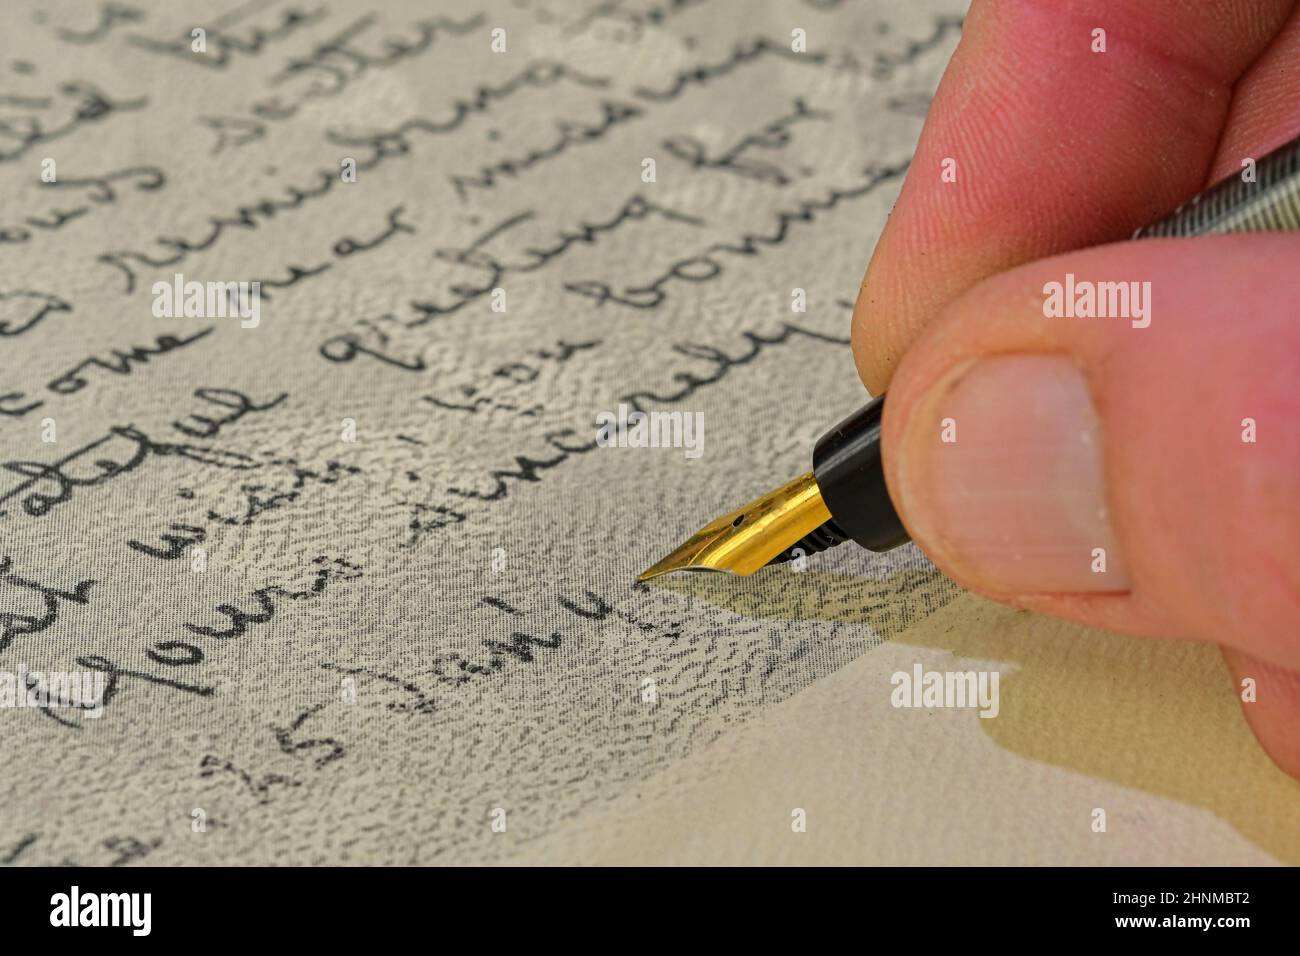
(745, 540)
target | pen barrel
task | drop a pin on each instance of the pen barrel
(851, 477)
(1263, 197)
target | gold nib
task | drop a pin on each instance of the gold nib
(746, 540)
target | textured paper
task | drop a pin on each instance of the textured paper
(423, 645)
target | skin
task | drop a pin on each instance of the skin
(1062, 153)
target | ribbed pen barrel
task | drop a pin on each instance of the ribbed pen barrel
(1263, 199)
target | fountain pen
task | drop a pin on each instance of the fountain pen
(845, 497)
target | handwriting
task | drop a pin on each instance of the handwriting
(885, 63)
(224, 43)
(267, 599)
(138, 448)
(284, 736)
(742, 54)
(210, 765)
(472, 255)
(705, 266)
(14, 852)
(119, 363)
(656, 15)
(528, 468)
(177, 653)
(381, 147)
(89, 105)
(124, 362)
(330, 68)
(21, 310)
(479, 176)
(141, 447)
(175, 543)
(774, 135)
(114, 675)
(505, 378)
(419, 704)
(101, 192)
(570, 133)
(238, 404)
(14, 624)
(333, 65)
(342, 248)
(346, 347)
(110, 14)
(261, 498)
(721, 363)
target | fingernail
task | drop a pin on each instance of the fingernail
(1001, 477)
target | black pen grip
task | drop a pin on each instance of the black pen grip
(851, 478)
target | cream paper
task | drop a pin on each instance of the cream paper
(349, 572)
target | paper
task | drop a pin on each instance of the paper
(328, 565)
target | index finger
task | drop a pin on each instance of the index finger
(1058, 124)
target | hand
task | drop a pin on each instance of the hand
(1141, 478)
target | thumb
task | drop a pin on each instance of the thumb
(1135, 471)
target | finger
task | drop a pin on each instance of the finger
(1053, 146)
(1271, 701)
(1264, 114)
(1139, 479)
(1265, 108)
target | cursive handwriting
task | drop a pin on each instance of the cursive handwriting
(88, 105)
(14, 624)
(132, 448)
(21, 310)
(707, 265)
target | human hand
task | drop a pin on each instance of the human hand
(1137, 477)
